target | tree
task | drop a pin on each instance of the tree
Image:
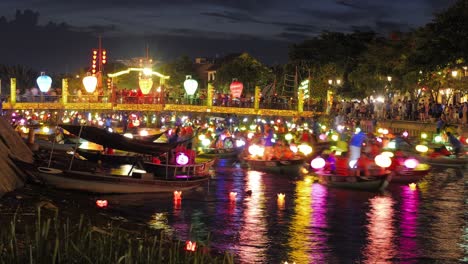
(25, 76)
(178, 70)
(247, 70)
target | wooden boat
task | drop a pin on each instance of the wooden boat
(221, 153)
(446, 162)
(377, 182)
(405, 175)
(94, 182)
(116, 141)
(118, 158)
(140, 182)
(290, 166)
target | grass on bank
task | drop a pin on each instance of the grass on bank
(51, 240)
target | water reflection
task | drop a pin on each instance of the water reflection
(408, 246)
(306, 236)
(253, 239)
(380, 231)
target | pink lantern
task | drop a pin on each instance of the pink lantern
(236, 88)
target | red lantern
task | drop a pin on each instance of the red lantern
(236, 88)
(102, 203)
(190, 246)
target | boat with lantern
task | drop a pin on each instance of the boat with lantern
(349, 175)
(410, 175)
(137, 181)
(74, 172)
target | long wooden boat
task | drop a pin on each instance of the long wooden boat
(405, 175)
(118, 158)
(376, 182)
(94, 182)
(446, 162)
(116, 141)
(101, 183)
(288, 167)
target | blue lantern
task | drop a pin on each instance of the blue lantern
(44, 82)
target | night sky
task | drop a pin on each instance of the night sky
(172, 28)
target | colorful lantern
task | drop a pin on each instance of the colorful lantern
(190, 85)
(145, 83)
(412, 186)
(232, 196)
(102, 203)
(317, 163)
(383, 161)
(177, 195)
(182, 159)
(90, 83)
(411, 163)
(422, 148)
(190, 246)
(44, 82)
(236, 88)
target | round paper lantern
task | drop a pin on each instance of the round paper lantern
(236, 88)
(182, 159)
(190, 85)
(145, 85)
(383, 161)
(411, 163)
(317, 163)
(44, 82)
(90, 83)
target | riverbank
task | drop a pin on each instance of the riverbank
(68, 226)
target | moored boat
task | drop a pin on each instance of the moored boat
(406, 175)
(446, 161)
(221, 153)
(284, 166)
(377, 182)
(101, 183)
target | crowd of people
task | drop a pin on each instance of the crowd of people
(424, 110)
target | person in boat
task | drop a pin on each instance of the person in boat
(456, 144)
(355, 145)
(364, 164)
(342, 164)
(174, 137)
(440, 152)
(59, 137)
(268, 143)
(330, 161)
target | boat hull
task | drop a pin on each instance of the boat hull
(223, 153)
(405, 176)
(287, 167)
(447, 162)
(362, 183)
(97, 183)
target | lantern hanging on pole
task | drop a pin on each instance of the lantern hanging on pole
(44, 82)
(190, 85)
(146, 83)
(90, 83)
(236, 88)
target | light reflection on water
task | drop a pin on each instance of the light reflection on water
(316, 224)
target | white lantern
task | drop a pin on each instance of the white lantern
(190, 85)
(90, 83)
(383, 161)
(44, 82)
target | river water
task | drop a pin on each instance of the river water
(313, 223)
